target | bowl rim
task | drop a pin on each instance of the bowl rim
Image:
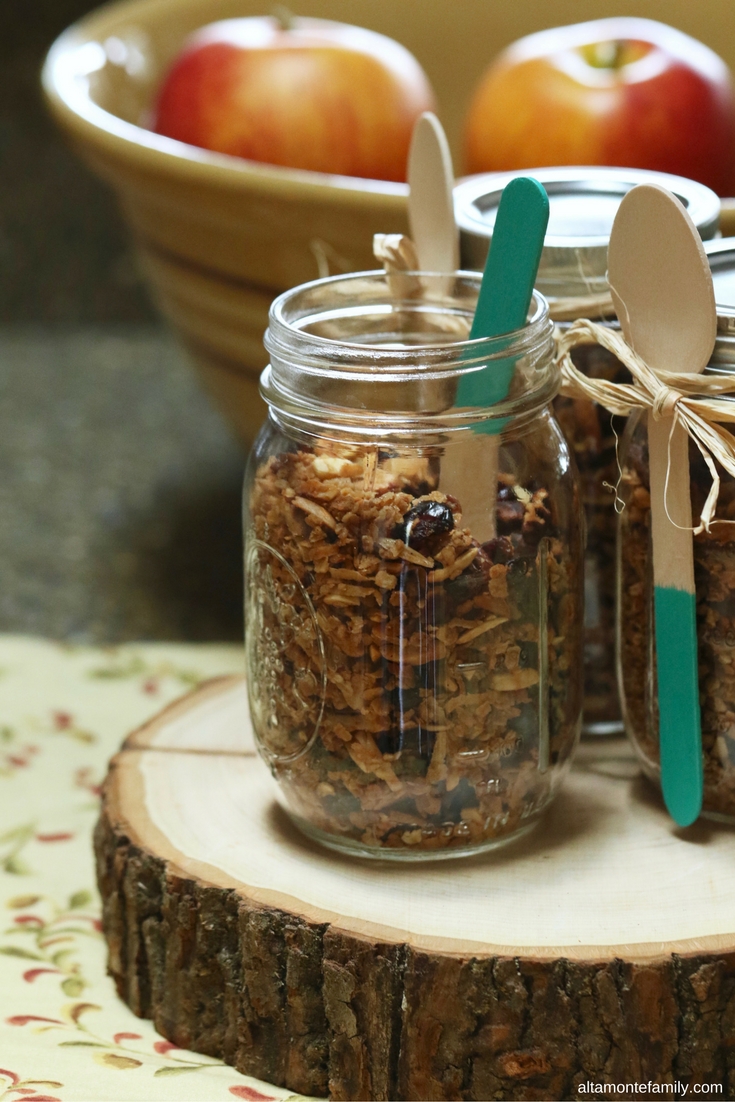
(91, 125)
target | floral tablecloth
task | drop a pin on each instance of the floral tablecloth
(64, 1034)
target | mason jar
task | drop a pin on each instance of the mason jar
(714, 577)
(573, 277)
(413, 571)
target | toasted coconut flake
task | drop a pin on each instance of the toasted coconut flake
(512, 680)
(475, 632)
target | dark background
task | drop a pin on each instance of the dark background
(119, 483)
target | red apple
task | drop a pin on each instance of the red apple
(627, 92)
(310, 94)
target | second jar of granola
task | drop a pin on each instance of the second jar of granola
(413, 571)
(573, 277)
(714, 577)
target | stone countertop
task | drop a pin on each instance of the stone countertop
(120, 490)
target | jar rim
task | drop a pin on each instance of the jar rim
(453, 357)
(394, 382)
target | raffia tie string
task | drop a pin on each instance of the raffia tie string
(397, 253)
(569, 309)
(690, 400)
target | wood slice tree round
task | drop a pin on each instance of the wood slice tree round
(598, 949)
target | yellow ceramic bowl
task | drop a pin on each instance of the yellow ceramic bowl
(220, 237)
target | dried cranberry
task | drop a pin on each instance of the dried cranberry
(510, 516)
(499, 550)
(424, 522)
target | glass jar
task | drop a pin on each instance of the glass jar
(714, 578)
(415, 691)
(573, 277)
(590, 432)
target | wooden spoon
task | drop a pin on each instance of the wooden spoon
(662, 290)
(430, 203)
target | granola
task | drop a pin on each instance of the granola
(398, 677)
(588, 428)
(714, 575)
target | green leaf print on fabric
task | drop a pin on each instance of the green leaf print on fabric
(14, 754)
(16, 840)
(57, 926)
(64, 711)
(11, 1084)
(151, 676)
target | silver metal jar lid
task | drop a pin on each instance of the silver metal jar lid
(583, 203)
(721, 255)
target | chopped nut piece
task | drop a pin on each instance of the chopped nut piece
(411, 837)
(396, 549)
(315, 510)
(456, 567)
(513, 680)
(409, 555)
(334, 466)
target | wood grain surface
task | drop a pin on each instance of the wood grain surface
(599, 948)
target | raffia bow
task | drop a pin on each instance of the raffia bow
(691, 400)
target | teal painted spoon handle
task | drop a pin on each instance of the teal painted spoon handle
(470, 466)
(678, 696)
(675, 616)
(507, 286)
